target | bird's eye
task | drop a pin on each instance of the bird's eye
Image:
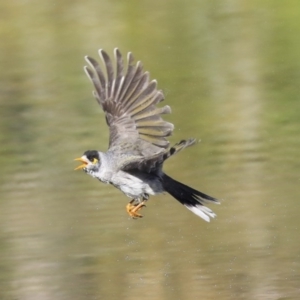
(95, 160)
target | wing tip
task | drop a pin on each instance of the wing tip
(117, 53)
(87, 71)
(166, 110)
(130, 58)
(87, 59)
(103, 55)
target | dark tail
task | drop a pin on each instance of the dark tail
(190, 198)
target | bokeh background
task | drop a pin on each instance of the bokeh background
(230, 70)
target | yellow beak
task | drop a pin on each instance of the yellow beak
(81, 166)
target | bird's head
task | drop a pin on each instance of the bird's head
(90, 161)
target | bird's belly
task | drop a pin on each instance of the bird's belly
(137, 186)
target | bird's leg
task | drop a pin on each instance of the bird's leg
(133, 208)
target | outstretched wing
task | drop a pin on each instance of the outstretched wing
(129, 101)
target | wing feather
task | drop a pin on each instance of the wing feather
(109, 71)
(119, 72)
(129, 99)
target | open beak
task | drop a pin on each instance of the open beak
(84, 163)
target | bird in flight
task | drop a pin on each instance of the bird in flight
(138, 145)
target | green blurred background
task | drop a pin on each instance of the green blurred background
(230, 70)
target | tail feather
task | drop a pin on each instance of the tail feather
(192, 199)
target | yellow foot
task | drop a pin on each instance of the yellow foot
(133, 209)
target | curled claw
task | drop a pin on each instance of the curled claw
(133, 209)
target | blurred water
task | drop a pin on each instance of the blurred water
(230, 71)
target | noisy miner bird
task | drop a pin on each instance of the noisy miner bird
(138, 144)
